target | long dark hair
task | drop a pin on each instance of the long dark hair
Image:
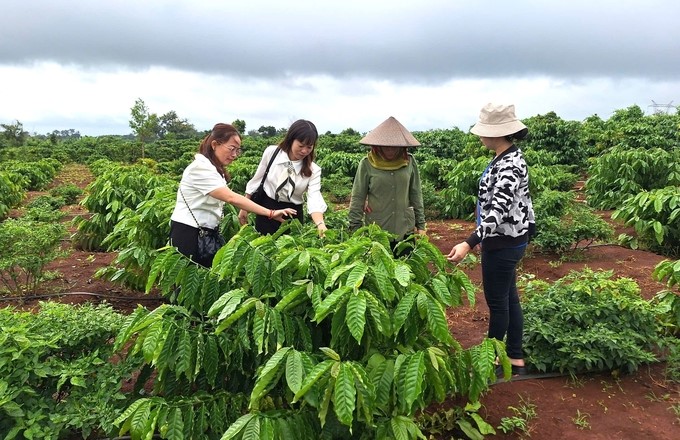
(304, 131)
(379, 151)
(221, 133)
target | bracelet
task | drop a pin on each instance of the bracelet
(271, 214)
(320, 223)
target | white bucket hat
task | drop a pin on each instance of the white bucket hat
(390, 134)
(497, 120)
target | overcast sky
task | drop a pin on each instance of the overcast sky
(81, 64)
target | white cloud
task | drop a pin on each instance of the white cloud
(431, 64)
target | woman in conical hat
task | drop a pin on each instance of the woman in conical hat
(386, 188)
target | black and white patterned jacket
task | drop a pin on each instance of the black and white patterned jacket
(506, 213)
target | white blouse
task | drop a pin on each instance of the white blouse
(199, 178)
(278, 173)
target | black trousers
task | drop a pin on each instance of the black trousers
(499, 279)
(264, 225)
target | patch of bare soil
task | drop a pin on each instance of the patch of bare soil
(593, 406)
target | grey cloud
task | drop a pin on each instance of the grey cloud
(428, 41)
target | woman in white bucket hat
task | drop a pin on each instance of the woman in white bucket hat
(386, 189)
(505, 223)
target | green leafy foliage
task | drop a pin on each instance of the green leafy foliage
(342, 336)
(37, 174)
(11, 193)
(620, 173)
(588, 321)
(56, 380)
(26, 247)
(562, 224)
(552, 133)
(460, 195)
(116, 188)
(69, 192)
(655, 215)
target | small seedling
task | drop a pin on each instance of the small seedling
(581, 420)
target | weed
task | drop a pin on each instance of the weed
(581, 420)
(524, 413)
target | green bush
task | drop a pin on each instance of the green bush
(588, 321)
(620, 173)
(655, 215)
(563, 224)
(11, 193)
(47, 202)
(338, 187)
(68, 191)
(56, 378)
(303, 337)
(26, 247)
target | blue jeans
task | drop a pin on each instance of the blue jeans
(499, 278)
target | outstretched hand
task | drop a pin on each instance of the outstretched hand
(282, 215)
(458, 252)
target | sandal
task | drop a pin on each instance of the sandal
(516, 370)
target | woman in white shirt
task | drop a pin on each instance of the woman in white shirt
(292, 174)
(203, 191)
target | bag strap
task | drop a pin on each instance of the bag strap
(201, 231)
(269, 165)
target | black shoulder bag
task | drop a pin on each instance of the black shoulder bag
(209, 240)
(258, 196)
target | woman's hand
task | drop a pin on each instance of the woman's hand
(458, 252)
(281, 214)
(243, 217)
(321, 228)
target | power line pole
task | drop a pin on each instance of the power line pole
(658, 107)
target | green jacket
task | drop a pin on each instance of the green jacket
(395, 198)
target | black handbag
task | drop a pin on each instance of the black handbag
(259, 196)
(209, 241)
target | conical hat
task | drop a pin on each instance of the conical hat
(390, 134)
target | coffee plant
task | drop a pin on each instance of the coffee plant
(26, 247)
(11, 193)
(300, 336)
(116, 188)
(56, 378)
(655, 215)
(620, 173)
(588, 321)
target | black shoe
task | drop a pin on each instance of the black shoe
(516, 370)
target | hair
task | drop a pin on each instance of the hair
(378, 151)
(518, 136)
(220, 133)
(305, 132)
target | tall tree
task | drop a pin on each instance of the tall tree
(172, 126)
(144, 125)
(13, 134)
(240, 125)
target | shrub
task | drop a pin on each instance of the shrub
(69, 192)
(338, 187)
(588, 321)
(620, 173)
(56, 380)
(656, 217)
(303, 337)
(563, 224)
(26, 247)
